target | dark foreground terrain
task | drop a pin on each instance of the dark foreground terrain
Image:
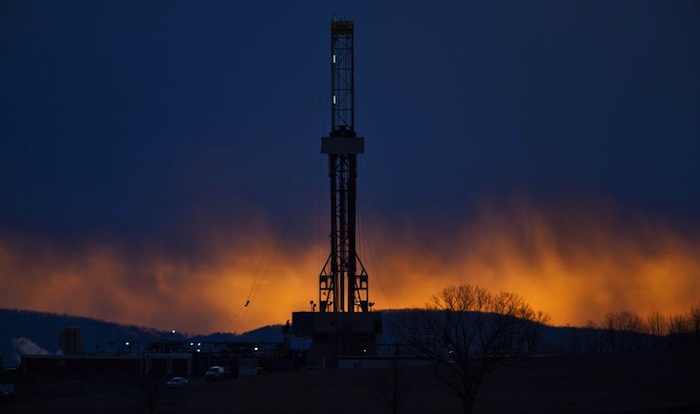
(642, 382)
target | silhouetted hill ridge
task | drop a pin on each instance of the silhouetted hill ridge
(42, 329)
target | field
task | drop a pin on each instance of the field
(640, 382)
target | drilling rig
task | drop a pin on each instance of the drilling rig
(343, 325)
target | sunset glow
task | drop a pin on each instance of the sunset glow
(576, 262)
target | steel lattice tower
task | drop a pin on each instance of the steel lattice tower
(343, 282)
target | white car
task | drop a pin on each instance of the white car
(215, 373)
(177, 382)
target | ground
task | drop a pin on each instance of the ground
(640, 382)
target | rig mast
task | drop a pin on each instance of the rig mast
(343, 282)
(344, 324)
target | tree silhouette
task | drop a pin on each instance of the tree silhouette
(394, 384)
(467, 332)
(624, 330)
(694, 322)
(657, 327)
(684, 329)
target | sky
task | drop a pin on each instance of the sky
(160, 161)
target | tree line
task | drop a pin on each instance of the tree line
(626, 330)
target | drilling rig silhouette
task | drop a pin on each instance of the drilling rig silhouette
(343, 325)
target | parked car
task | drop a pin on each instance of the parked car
(215, 373)
(177, 382)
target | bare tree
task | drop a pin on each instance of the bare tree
(678, 329)
(623, 329)
(694, 322)
(684, 329)
(587, 339)
(394, 384)
(657, 327)
(150, 394)
(467, 332)
(535, 323)
(147, 393)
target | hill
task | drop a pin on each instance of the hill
(37, 332)
(25, 331)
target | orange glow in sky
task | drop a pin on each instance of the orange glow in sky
(574, 261)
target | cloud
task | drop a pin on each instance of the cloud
(575, 260)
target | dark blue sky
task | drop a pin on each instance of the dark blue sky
(141, 121)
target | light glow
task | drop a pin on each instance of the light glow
(576, 262)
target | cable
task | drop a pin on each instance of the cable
(285, 231)
(262, 270)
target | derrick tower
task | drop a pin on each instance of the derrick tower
(343, 282)
(343, 326)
